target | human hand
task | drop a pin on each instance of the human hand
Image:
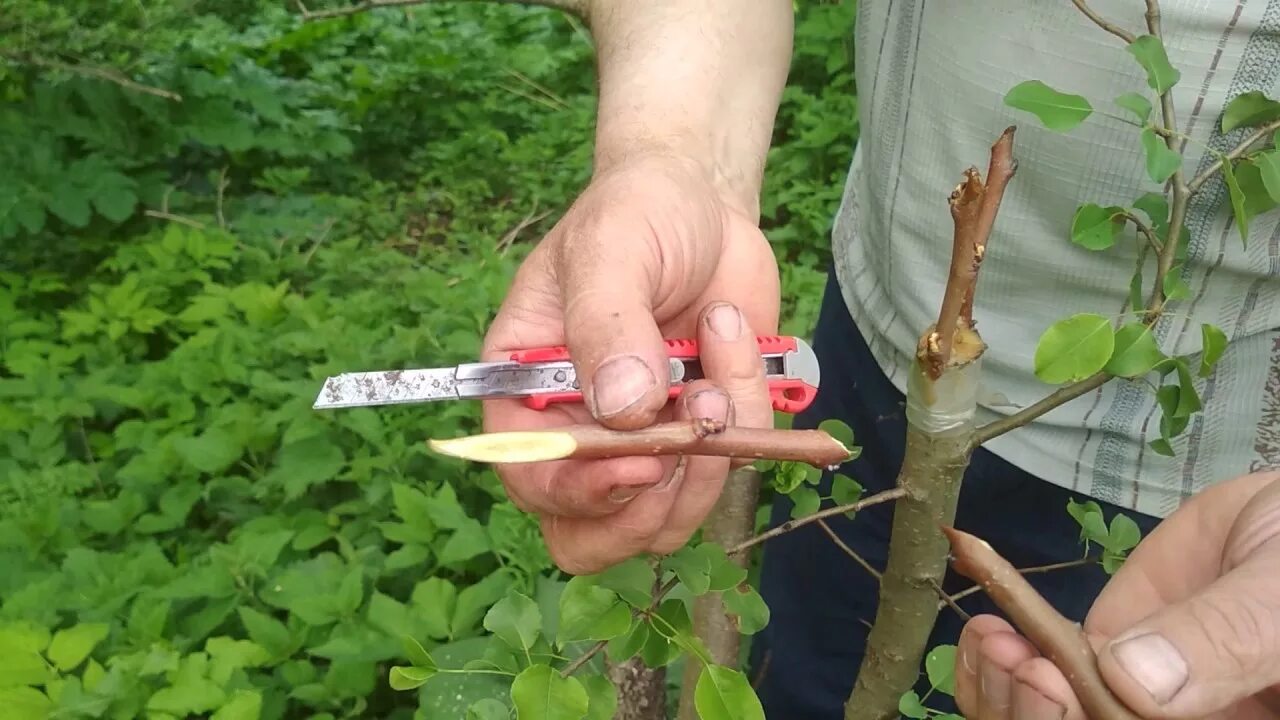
(1188, 628)
(650, 250)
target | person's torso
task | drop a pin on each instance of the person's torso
(931, 79)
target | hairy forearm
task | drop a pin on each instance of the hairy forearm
(702, 79)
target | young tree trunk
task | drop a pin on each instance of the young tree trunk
(642, 691)
(732, 522)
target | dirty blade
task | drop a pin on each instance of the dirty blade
(389, 387)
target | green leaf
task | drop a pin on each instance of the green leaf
(516, 619)
(1188, 398)
(807, 501)
(1213, 343)
(243, 705)
(540, 693)
(115, 202)
(940, 665)
(409, 678)
(749, 611)
(845, 490)
(1088, 515)
(350, 592)
(591, 612)
(25, 703)
(1162, 162)
(488, 709)
(1150, 54)
(1175, 288)
(626, 646)
(602, 696)
(1136, 351)
(724, 694)
(909, 705)
(468, 541)
(633, 580)
(1268, 164)
(1249, 110)
(725, 572)
(210, 452)
(1074, 348)
(1137, 104)
(416, 654)
(692, 567)
(1156, 207)
(1124, 534)
(839, 430)
(1095, 227)
(71, 646)
(1237, 201)
(70, 203)
(1162, 447)
(1057, 110)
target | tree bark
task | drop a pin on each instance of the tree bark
(730, 523)
(642, 691)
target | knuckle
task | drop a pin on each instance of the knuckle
(1241, 630)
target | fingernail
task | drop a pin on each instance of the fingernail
(1154, 663)
(620, 383)
(626, 493)
(708, 405)
(726, 322)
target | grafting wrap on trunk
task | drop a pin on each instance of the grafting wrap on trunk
(940, 425)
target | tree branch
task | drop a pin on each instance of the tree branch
(952, 599)
(574, 7)
(100, 73)
(848, 550)
(1000, 171)
(694, 437)
(1101, 22)
(1234, 154)
(1061, 396)
(1063, 642)
(786, 527)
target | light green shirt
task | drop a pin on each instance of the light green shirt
(931, 80)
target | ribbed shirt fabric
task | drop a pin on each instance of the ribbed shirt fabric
(931, 79)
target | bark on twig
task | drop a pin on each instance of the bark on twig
(108, 74)
(693, 437)
(1000, 171)
(786, 527)
(730, 523)
(1060, 640)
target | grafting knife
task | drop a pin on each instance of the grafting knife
(544, 376)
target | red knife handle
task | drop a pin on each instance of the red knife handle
(787, 395)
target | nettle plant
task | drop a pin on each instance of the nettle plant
(563, 661)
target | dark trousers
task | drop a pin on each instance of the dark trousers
(822, 604)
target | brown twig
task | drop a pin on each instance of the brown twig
(1062, 641)
(108, 74)
(949, 600)
(1146, 232)
(1058, 397)
(583, 659)
(1025, 571)
(575, 7)
(175, 218)
(848, 550)
(688, 437)
(1101, 22)
(1000, 171)
(786, 527)
(974, 207)
(1233, 154)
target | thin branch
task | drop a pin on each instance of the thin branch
(1025, 571)
(950, 600)
(570, 6)
(223, 184)
(966, 204)
(1181, 193)
(1145, 230)
(159, 214)
(786, 527)
(688, 437)
(1234, 154)
(1001, 170)
(848, 550)
(1063, 642)
(584, 658)
(1101, 22)
(1061, 396)
(100, 73)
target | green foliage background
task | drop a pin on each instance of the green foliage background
(180, 534)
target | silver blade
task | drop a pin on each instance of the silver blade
(388, 387)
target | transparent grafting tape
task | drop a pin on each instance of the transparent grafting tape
(945, 405)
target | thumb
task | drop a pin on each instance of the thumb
(607, 284)
(1217, 647)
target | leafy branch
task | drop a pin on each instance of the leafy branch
(92, 71)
